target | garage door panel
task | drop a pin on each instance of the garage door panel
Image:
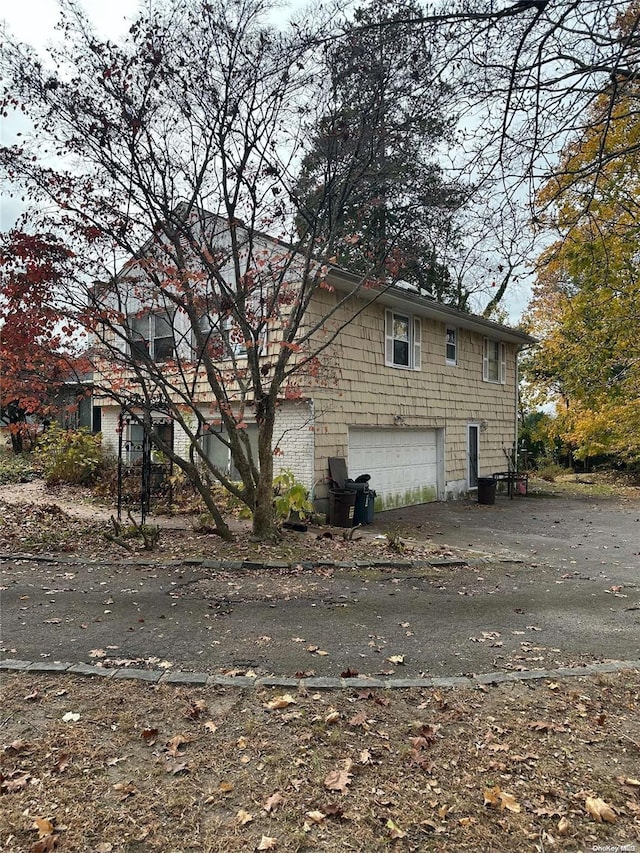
(403, 464)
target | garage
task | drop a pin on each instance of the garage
(406, 465)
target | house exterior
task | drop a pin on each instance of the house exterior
(425, 399)
(417, 394)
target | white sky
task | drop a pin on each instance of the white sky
(33, 22)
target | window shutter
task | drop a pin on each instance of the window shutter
(485, 359)
(417, 343)
(503, 363)
(388, 338)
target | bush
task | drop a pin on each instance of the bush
(16, 468)
(290, 496)
(548, 470)
(70, 456)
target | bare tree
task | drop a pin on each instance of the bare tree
(164, 161)
(174, 154)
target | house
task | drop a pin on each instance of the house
(420, 396)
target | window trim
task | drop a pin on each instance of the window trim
(414, 342)
(451, 361)
(500, 360)
(211, 327)
(145, 345)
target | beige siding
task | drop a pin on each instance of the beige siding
(369, 393)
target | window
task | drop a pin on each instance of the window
(224, 339)
(152, 337)
(220, 455)
(402, 340)
(134, 440)
(494, 365)
(452, 346)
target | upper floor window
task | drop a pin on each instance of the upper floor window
(152, 336)
(494, 361)
(402, 340)
(222, 338)
(452, 346)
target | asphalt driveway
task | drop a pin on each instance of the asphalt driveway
(541, 582)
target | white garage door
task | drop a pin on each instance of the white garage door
(403, 464)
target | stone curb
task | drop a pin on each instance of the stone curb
(155, 676)
(251, 565)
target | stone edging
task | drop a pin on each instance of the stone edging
(316, 683)
(235, 565)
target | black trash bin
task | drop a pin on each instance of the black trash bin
(342, 505)
(486, 490)
(361, 491)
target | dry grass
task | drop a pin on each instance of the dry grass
(147, 767)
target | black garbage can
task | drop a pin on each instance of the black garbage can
(342, 505)
(361, 490)
(369, 509)
(486, 490)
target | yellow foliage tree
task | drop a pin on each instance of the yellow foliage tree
(586, 302)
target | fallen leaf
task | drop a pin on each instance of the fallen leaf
(44, 826)
(70, 717)
(14, 781)
(177, 769)
(625, 780)
(280, 702)
(149, 736)
(225, 787)
(15, 745)
(173, 746)
(599, 810)
(495, 797)
(267, 843)
(210, 726)
(194, 709)
(273, 802)
(564, 826)
(546, 726)
(332, 717)
(337, 780)
(398, 660)
(358, 719)
(315, 816)
(243, 817)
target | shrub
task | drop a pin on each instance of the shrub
(16, 468)
(70, 456)
(548, 470)
(290, 496)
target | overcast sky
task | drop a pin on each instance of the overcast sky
(33, 22)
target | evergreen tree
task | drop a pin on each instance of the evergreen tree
(386, 115)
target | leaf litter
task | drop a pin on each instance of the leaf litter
(519, 766)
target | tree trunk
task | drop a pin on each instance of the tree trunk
(264, 519)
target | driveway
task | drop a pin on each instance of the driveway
(545, 582)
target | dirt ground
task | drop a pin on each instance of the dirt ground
(90, 765)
